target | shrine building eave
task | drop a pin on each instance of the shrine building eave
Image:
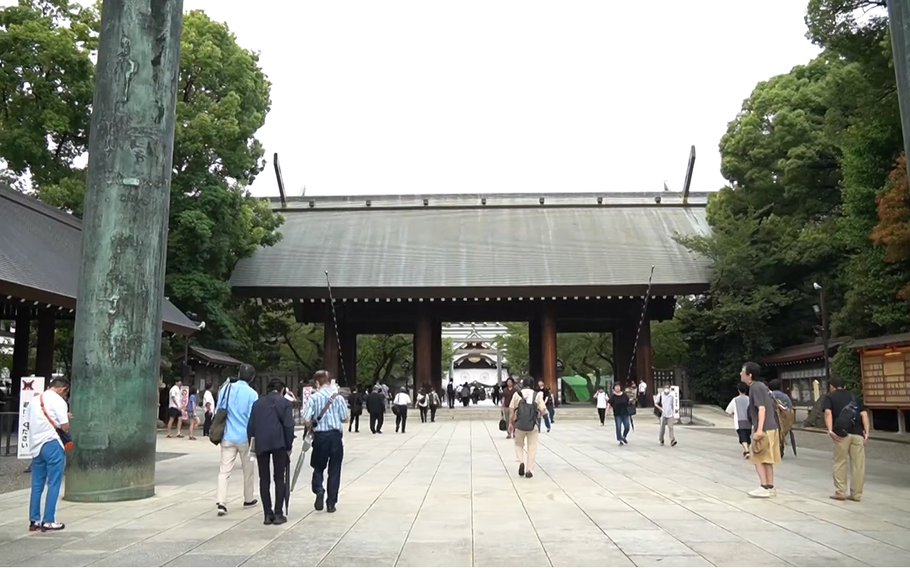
(481, 248)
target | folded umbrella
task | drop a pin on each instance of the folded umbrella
(305, 445)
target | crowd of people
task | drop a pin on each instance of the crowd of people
(261, 429)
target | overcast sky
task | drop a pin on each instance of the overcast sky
(426, 96)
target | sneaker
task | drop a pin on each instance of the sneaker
(672, 443)
(279, 519)
(760, 493)
(34, 526)
(52, 527)
(330, 509)
(222, 509)
(772, 492)
(661, 442)
(248, 504)
(521, 470)
(625, 441)
(621, 442)
(319, 504)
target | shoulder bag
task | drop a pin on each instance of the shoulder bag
(219, 421)
(308, 435)
(65, 437)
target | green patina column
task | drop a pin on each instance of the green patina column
(116, 353)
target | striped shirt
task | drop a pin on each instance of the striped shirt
(335, 415)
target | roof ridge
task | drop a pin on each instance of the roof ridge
(40, 207)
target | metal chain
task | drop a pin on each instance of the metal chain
(328, 285)
(641, 322)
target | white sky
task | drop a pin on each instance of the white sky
(425, 96)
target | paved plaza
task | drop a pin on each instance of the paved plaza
(447, 494)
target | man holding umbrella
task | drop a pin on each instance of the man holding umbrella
(272, 427)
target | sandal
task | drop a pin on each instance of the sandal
(179, 435)
(169, 436)
(745, 455)
(192, 438)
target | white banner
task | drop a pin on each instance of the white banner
(29, 389)
(674, 390)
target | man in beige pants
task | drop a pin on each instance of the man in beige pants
(237, 397)
(523, 424)
(848, 425)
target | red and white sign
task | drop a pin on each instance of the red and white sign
(30, 388)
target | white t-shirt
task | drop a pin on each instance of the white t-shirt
(642, 387)
(208, 398)
(40, 431)
(174, 396)
(402, 399)
(601, 400)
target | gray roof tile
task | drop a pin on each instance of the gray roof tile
(41, 252)
(476, 246)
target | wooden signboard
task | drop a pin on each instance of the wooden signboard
(885, 378)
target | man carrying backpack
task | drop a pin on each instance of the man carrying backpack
(525, 408)
(848, 425)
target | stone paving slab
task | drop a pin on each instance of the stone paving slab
(447, 494)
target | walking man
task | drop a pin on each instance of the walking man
(271, 433)
(666, 404)
(525, 410)
(46, 414)
(355, 401)
(237, 397)
(325, 415)
(642, 391)
(765, 439)
(848, 425)
(434, 403)
(376, 409)
(450, 393)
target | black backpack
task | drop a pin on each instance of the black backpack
(845, 422)
(526, 415)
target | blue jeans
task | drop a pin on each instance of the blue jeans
(328, 452)
(623, 424)
(47, 469)
(551, 410)
(546, 420)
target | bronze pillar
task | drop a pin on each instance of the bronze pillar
(423, 350)
(44, 356)
(643, 356)
(548, 347)
(330, 357)
(535, 363)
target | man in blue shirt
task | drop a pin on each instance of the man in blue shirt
(237, 396)
(325, 414)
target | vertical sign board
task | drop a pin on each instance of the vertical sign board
(674, 390)
(184, 401)
(29, 389)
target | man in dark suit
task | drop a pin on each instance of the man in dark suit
(355, 401)
(272, 426)
(376, 408)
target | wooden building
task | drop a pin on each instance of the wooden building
(405, 264)
(799, 366)
(208, 365)
(475, 360)
(40, 259)
(885, 368)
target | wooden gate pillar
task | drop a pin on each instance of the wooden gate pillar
(423, 349)
(330, 357)
(623, 341)
(535, 362)
(436, 362)
(548, 347)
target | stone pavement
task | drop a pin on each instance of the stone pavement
(447, 494)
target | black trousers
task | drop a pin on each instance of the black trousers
(280, 462)
(602, 412)
(433, 410)
(207, 425)
(376, 421)
(401, 419)
(328, 453)
(355, 422)
(451, 400)
(423, 413)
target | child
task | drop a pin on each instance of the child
(739, 409)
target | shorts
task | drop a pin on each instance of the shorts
(174, 413)
(768, 449)
(745, 435)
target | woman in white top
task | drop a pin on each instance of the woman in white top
(400, 408)
(423, 404)
(601, 398)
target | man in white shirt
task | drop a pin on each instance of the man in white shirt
(208, 402)
(400, 408)
(601, 398)
(642, 391)
(174, 409)
(45, 414)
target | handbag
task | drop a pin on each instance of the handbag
(219, 421)
(630, 410)
(503, 426)
(309, 433)
(65, 437)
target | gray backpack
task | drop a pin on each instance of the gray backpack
(526, 415)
